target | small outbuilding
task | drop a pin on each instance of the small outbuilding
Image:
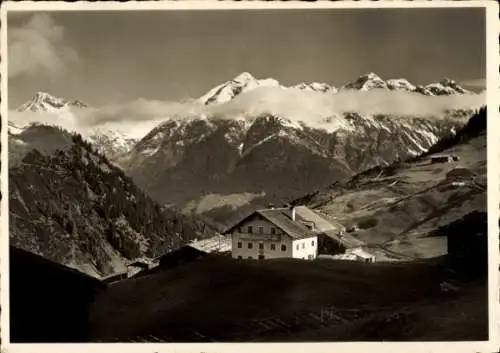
(441, 159)
(361, 255)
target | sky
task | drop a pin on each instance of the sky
(112, 57)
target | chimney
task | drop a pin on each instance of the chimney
(293, 214)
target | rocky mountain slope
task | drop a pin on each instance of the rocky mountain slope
(405, 207)
(218, 166)
(74, 207)
(113, 144)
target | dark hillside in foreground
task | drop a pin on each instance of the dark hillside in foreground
(221, 299)
(78, 209)
(467, 245)
(48, 302)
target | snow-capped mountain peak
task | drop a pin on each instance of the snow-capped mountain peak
(366, 82)
(245, 82)
(446, 86)
(226, 91)
(400, 84)
(45, 102)
(371, 81)
(315, 87)
(244, 77)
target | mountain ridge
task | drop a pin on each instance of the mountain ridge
(210, 157)
(263, 157)
(245, 82)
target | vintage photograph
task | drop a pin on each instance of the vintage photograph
(247, 175)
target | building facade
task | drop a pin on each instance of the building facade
(273, 233)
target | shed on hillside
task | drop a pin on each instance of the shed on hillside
(441, 159)
(361, 254)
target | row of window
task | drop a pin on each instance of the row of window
(272, 246)
(261, 246)
(261, 257)
(261, 230)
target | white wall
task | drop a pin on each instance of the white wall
(304, 247)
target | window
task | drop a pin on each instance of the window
(240, 229)
(312, 243)
(273, 230)
(261, 230)
(283, 247)
(261, 246)
(240, 257)
(250, 245)
(250, 229)
(249, 257)
(273, 247)
(240, 245)
(297, 246)
(261, 257)
(303, 245)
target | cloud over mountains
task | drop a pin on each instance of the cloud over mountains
(141, 115)
(38, 47)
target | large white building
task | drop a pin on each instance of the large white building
(275, 233)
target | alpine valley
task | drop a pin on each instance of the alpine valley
(208, 167)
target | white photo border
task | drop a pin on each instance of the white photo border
(493, 158)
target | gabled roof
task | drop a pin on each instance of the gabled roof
(281, 218)
(327, 227)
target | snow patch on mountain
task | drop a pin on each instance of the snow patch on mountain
(365, 82)
(14, 129)
(226, 91)
(111, 143)
(400, 84)
(315, 87)
(45, 102)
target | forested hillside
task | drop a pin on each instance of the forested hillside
(75, 207)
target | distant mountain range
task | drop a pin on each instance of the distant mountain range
(221, 167)
(245, 82)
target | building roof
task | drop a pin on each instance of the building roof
(281, 218)
(327, 227)
(219, 243)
